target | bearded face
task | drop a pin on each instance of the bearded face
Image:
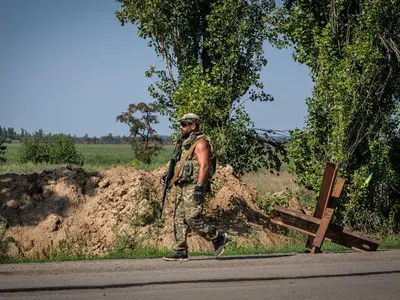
(187, 128)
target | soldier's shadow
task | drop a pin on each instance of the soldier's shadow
(240, 218)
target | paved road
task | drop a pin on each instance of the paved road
(373, 275)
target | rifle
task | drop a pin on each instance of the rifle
(167, 183)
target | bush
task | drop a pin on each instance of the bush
(52, 149)
(3, 149)
(62, 150)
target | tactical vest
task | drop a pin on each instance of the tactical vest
(190, 168)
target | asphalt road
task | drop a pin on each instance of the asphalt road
(369, 275)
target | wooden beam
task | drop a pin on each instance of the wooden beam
(295, 220)
(324, 195)
(309, 225)
(327, 217)
(326, 189)
(350, 239)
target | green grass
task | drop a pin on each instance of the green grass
(11, 153)
(295, 245)
(390, 242)
(105, 155)
(97, 157)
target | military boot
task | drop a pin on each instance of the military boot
(181, 255)
(220, 243)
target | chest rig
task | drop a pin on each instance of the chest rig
(190, 166)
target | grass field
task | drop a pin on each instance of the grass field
(97, 157)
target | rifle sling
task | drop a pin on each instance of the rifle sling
(182, 161)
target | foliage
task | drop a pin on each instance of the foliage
(3, 149)
(9, 134)
(5, 241)
(145, 142)
(267, 204)
(52, 149)
(97, 157)
(352, 49)
(147, 194)
(213, 56)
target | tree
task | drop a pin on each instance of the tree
(23, 134)
(3, 149)
(86, 139)
(352, 49)
(213, 55)
(144, 139)
(9, 134)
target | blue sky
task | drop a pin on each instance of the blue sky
(67, 66)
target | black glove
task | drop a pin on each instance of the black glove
(199, 193)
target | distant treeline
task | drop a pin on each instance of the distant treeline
(10, 135)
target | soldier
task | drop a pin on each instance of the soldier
(194, 167)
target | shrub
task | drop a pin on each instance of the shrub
(52, 149)
(3, 149)
(62, 150)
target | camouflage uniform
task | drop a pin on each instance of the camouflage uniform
(188, 212)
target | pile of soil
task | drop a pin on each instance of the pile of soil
(70, 211)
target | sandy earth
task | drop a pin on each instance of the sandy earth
(69, 211)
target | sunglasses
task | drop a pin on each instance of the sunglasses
(184, 124)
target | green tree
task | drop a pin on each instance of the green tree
(144, 139)
(52, 149)
(3, 149)
(213, 55)
(352, 49)
(86, 139)
(23, 134)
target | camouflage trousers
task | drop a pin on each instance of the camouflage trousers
(189, 214)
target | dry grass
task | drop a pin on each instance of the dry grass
(279, 188)
(266, 183)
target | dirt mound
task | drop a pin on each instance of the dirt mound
(69, 211)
